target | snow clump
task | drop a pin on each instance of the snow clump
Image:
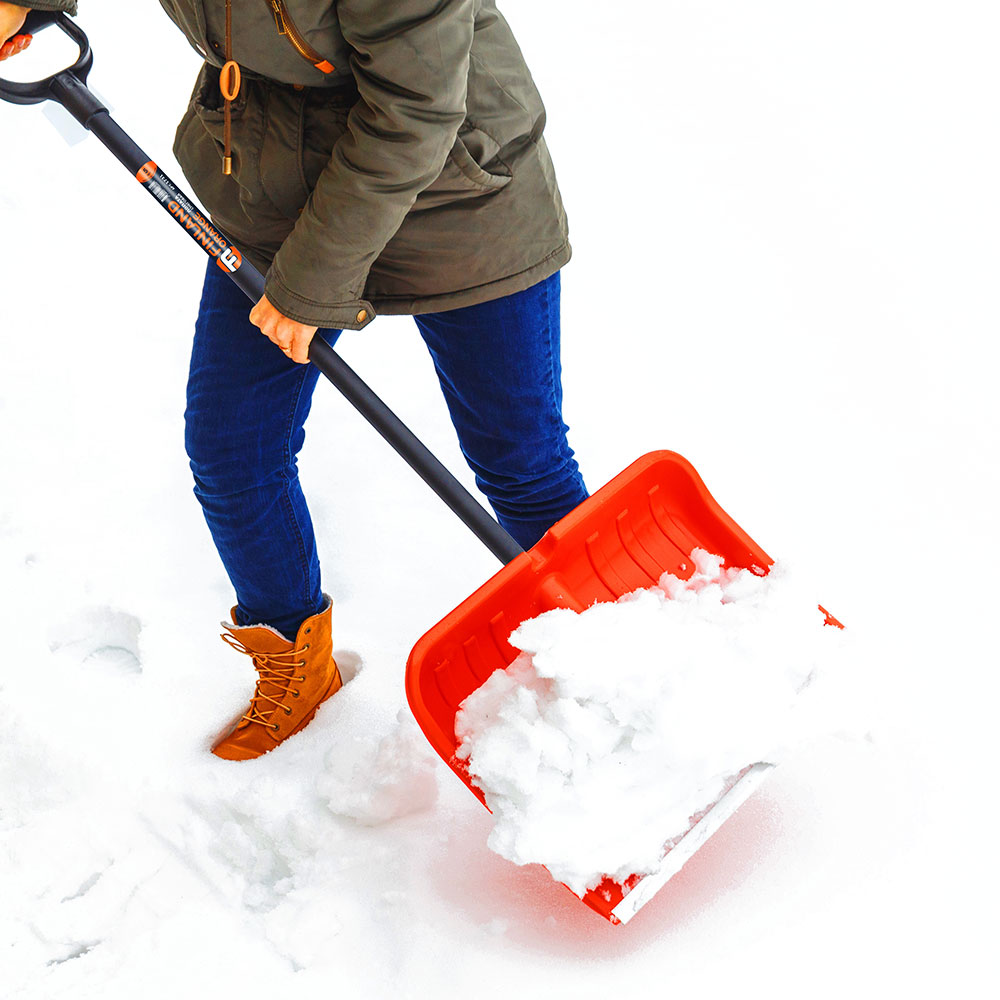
(617, 725)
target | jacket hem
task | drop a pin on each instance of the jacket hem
(405, 305)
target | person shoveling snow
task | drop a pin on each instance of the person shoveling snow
(547, 532)
(617, 725)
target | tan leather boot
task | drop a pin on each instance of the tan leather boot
(294, 678)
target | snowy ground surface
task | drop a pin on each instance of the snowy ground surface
(785, 218)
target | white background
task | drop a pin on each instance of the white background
(784, 217)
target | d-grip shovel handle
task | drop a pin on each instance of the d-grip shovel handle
(42, 90)
(69, 89)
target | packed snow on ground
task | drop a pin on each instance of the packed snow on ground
(615, 726)
(784, 221)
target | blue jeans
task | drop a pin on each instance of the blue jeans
(498, 365)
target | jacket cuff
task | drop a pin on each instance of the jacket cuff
(67, 5)
(354, 314)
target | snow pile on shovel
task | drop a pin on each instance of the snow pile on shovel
(614, 727)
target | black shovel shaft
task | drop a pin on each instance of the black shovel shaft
(69, 89)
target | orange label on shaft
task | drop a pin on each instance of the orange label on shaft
(146, 172)
(229, 260)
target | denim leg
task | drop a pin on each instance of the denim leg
(499, 368)
(246, 406)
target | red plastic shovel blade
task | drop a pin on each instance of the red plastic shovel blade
(645, 522)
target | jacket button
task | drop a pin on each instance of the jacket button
(363, 315)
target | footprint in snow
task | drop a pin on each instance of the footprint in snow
(99, 637)
(69, 950)
(348, 663)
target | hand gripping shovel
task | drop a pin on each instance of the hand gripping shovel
(643, 523)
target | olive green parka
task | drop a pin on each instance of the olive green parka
(408, 174)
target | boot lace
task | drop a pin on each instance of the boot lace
(274, 669)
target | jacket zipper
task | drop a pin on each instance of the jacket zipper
(286, 27)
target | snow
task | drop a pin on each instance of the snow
(597, 746)
(784, 218)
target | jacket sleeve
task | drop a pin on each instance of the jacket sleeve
(411, 62)
(67, 5)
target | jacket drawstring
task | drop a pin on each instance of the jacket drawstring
(229, 85)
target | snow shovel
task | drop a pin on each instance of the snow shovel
(644, 522)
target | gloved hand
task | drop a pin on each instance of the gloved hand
(11, 19)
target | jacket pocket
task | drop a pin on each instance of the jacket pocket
(199, 144)
(238, 203)
(207, 100)
(281, 170)
(461, 178)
